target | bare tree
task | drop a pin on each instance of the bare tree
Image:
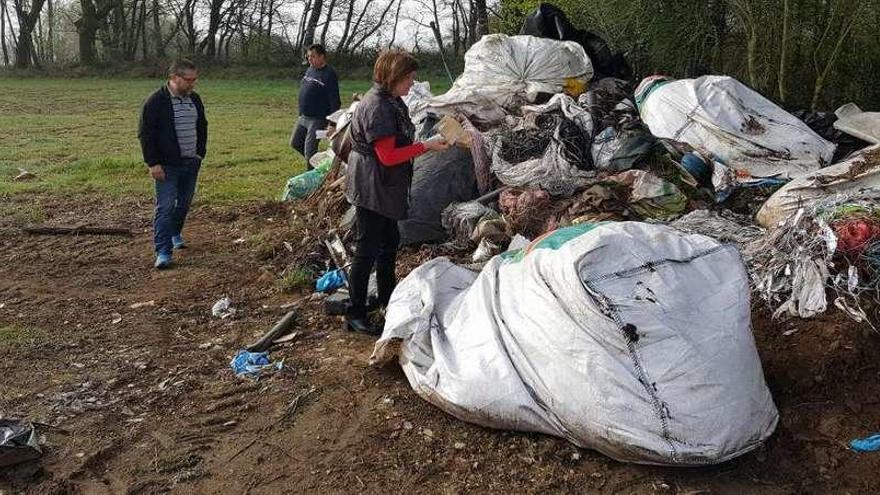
(27, 19)
(783, 50)
(376, 25)
(157, 30)
(346, 27)
(312, 24)
(327, 21)
(50, 20)
(396, 20)
(847, 11)
(3, 32)
(301, 32)
(188, 27)
(218, 11)
(91, 16)
(482, 19)
(750, 18)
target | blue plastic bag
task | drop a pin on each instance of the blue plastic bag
(867, 444)
(251, 364)
(330, 281)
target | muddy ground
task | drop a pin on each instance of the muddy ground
(142, 400)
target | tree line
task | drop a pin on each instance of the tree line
(802, 53)
(95, 32)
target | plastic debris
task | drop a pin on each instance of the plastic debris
(253, 364)
(223, 308)
(18, 442)
(651, 197)
(867, 444)
(802, 257)
(302, 185)
(24, 175)
(330, 280)
(724, 227)
(853, 121)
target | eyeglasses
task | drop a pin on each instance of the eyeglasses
(189, 79)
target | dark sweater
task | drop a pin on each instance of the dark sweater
(157, 134)
(319, 93)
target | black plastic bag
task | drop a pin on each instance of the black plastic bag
(548, 21)
(18, 442)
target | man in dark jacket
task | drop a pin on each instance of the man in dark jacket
(173, 132)
(318, 98)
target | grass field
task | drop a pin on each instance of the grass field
(80, 136)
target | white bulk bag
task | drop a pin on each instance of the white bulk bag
(632, 339)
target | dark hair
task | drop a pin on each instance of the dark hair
(180, 66)
(317, 48)
(392, 66)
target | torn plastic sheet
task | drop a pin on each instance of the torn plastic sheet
(853, 121)
(569, 109)
(857, 176)
(18, 442)
(651, 197)
(253, 364)
(552, 172)
(417, 101)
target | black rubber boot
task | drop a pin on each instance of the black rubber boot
(361, 325)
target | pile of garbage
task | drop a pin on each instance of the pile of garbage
(598, 217)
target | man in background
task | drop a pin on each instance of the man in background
(173, 132)
(318, 98)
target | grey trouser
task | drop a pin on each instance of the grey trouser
(303, 139)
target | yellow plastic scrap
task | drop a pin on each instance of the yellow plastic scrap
(574, 86)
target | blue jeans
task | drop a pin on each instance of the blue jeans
(173, 197)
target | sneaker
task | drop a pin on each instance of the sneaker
(177, 242)
(162, 261)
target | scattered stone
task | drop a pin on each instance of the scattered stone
(407, 425)
(458, 445)
(142, 304)
(576, 456)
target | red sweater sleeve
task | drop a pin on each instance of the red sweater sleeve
(391, 156)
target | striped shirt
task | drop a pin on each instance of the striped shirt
(185, 116)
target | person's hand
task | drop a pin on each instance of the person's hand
(436, 144)
(157, 172)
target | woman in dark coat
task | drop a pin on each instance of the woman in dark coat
(378, 179)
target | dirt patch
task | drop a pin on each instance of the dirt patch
(145, 402)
